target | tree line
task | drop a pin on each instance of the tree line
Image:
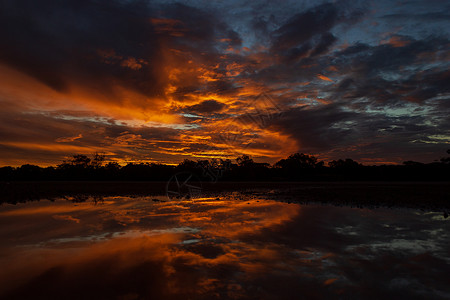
(296, 167)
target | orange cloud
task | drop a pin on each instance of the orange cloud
(330, 281)
(320, 76)
(332, 68)
(53, 147)
(118, 102)
(68, 139)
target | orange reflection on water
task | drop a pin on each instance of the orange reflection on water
(238, 246)
(56, 248)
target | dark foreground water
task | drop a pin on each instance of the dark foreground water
(232, 247)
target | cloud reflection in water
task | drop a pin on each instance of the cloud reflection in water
(133, 248)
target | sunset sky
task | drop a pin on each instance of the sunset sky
(161, 81)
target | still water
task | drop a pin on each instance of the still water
(231, 247)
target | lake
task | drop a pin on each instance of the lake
(235, 246)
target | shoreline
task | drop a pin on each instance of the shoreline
(433, 196)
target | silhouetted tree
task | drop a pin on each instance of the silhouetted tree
(112, 166)
(299, 161)
(446, 160)
(77, 160)
(347, 163)
(412, 163)
(188, 165)
(97, 160)
(30, 172)
(7, 173)
(244, 161)
(299, 166)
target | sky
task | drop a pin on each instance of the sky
(164, 81)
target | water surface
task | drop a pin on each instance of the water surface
(235, 247)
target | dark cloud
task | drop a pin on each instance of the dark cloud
(385, 73)
(324, 44)
(317, 21)
(106, 44)
(208, 106)
(304, 26)
(313, 127)
(334, 129)
(56, 41)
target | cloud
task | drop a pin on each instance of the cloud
(325, 78)
(68, 139)
(207, 106)
(396, 41)
(118, 48)
(303, 27)
(154, 81)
